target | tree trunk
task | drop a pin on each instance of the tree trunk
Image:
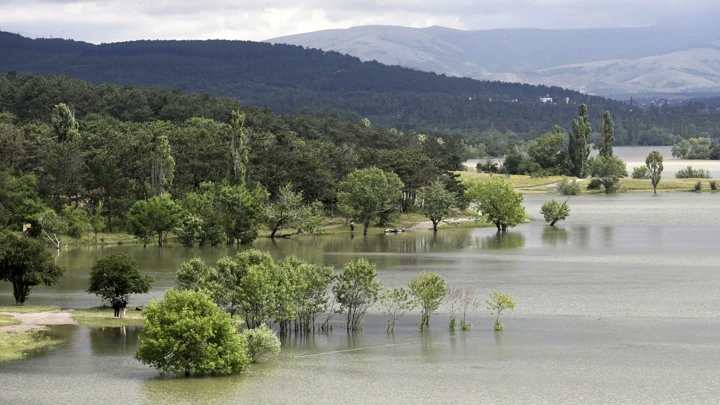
(435, 223)
(553, 222)
(504, 227)
(160, 238)
(365, 229)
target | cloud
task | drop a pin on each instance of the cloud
(112, 20)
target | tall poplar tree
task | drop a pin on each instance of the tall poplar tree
(607, 131)
(239, 149)
(578, 147)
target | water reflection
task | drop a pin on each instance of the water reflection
(114, 341)
(502, 240)
(554, 236)
(200, 390)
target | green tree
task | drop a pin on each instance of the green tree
(195, 275)
(497, 303)
(578, 148)
(162, 166)
(607, 134)
(156, 216)
(553, 211)
(356, 290)
(117, 274)
(654, 164)
(261, 341)
(185, 333)
(239, 149)
(549, 151)
(368, 193)
(428, 290)
(288, 210)
(25, 263)
(496, 201)
(302, 293)
(394, 303)
(437, 202)
(64, 124)
(609, 170)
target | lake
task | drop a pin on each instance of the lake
(618, 304)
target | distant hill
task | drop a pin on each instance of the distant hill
(287, 78)
(672, 58)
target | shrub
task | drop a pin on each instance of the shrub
(698, 186)
(488, 167)
(714, 185)
(641, 172)
(261, 341)
(594, 184)
(568, 187)
(690, 173)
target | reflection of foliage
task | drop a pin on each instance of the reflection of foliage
(503, 240)
(554, 236)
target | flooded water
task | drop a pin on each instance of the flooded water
(618, 304)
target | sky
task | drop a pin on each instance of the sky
(113, 21)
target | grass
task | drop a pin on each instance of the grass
(669, 185)
(518, 181)
(17, 345)
(8, 320)
(103, 317)
(28, 310)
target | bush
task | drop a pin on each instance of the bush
(261, 341)
(488, 167)
(690, 173)
(568, 187)
(641, 172)
(698, 186)
(594, 184)
(714, 185)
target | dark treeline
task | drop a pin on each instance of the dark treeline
(74, 149)
(289, 78)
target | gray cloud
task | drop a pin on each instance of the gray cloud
(112, 20)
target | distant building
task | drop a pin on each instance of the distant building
(546, 99)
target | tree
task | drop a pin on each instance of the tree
(496, 201)
(25, 263)
(367, 193)
(609, 170)
(437, 202)
(239, 149)
(117, 274)
(288, 210)
(64, 124)
(52, 224)
(553, 211)
(549, 151)
(578, 148)
(654, 164)
(186, 333)
(302, 293)
(195, 275)
(497, 303)
(428, 290)
(260, 341)
(607, 132)
(394, 303)
(162, 166)
(156, 216)
(356, 290)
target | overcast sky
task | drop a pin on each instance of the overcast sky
(114, 20)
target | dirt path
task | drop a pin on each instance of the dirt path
(425, 225)
(39, 320)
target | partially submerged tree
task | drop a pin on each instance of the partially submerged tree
(428, 290)
(368, 193)
(156, 216)
(496, 201)
(607, 132)
(288, 210)
(437, 202)
(497, 303)
(654, 164)
(186, 334)
(394, 303)
(608, 170)
(356, 290)
(117, 274)
(260, 342)
(25, 263)
(578, 147)
(553, 211)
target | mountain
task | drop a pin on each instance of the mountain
(673, 58)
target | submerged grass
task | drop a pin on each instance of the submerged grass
(103, 317)
(33, 309)
(18, 345)
(8, 320)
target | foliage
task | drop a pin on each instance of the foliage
(304, 293)
(25, 263)
(568, 186)
(496, 201)
(690, 173)
(654, 164)
(260, 341)
(497, 303)
(489, 166)
(640, 172)
(288, 210)
(156, 216)
(117, 274)
(186, 333)
(428, 290)
(607, 132)
(553, 211)
(693, 148)
(195, 275)
(356, 289)
(594, 184)
(394, 303)
(368, 193)
(609, 170)
(437, 202)
(578, 147)
(550, 152)
(698, 186)
(713, 185)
